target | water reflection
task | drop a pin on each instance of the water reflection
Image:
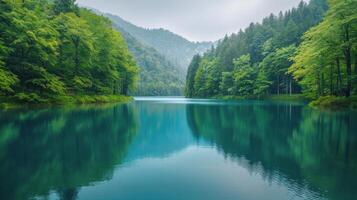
(175, 148)
(163, 129)
(61, 149)
(285, 143)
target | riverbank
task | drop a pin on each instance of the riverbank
(327, 102)
(294, 97)
(31, 100)
(335, 103)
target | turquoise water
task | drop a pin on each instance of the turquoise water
(178, 149)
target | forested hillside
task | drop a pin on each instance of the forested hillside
(54, 51)
(255, 61)
(158, 76)
(175, 48)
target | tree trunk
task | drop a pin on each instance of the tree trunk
(356, 65)
(76, 42)
(349, 71)
(331, 80)
(339, 76)
(347, 53)
(278, 86)
(318, 85)
(322, 84)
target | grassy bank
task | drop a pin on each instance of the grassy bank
(335, 103)
(21, 100)
(294, 97)
(327, 102)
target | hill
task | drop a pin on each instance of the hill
(175, 48)
(158, 76)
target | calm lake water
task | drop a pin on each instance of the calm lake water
(178, 149)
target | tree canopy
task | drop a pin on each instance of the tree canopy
(255, 61)
(50, 49)
(323, 64)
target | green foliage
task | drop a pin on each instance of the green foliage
(226, 83)
(206, 82)
(65, 6)
(336, 103)
(52, 49)
(323, 64)
(275, 65)
(28, 98)
(92, 99)
(190, 79)
(255, 62)
(8, 81)
(244, 76)
(261, 84)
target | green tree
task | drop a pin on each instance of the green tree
(226, 85)
(270, 46)
(325, 49)
(244, 76)
(190, 79)
(44, 57)
(65, 6)
(276, 65)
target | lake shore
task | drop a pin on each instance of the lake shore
(335, 103)
(325, 103)
(294, 97)
(11, 102)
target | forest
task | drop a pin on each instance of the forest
(309, 50)
(54, 51)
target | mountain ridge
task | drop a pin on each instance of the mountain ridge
(158, 76)
(174, 47)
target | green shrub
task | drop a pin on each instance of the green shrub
(333, 102)
(29, 98)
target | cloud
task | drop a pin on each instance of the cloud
(197, 20)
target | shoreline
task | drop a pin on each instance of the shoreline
(332, 103)
(9, 103)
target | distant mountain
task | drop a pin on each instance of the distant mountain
(175, 48)
(158, 76)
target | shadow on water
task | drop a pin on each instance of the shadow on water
(59, 150)
(285, 143)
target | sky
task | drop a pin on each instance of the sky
(196, 20)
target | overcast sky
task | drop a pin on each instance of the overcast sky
(196, 20)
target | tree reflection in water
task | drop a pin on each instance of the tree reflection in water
(61, 149)
(285, 143)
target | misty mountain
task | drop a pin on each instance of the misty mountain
(158, 76)
(175, 48)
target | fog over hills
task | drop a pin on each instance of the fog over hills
(175, 48)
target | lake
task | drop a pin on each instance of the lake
(178, 149)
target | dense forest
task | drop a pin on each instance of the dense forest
(308, 49)
(158, 76)
(54, 51)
